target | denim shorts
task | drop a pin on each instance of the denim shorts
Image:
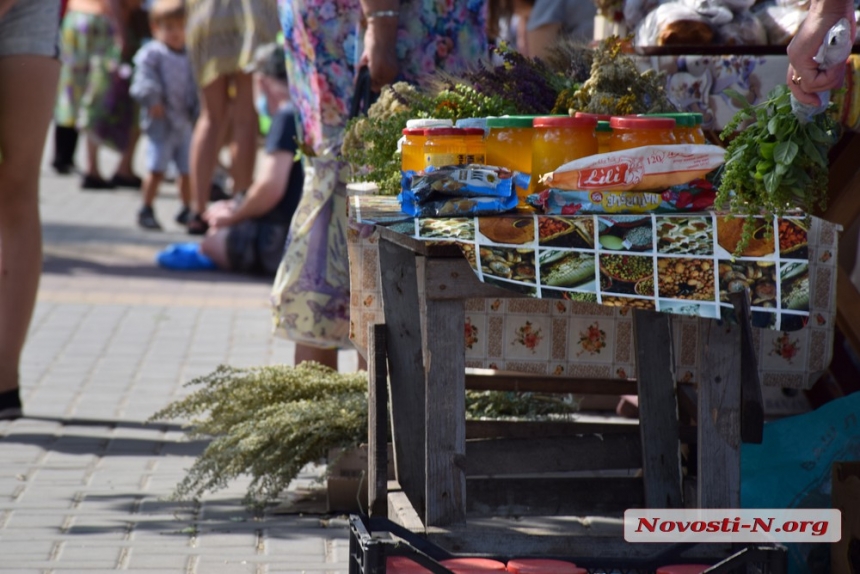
(31, 27)
(174, 145)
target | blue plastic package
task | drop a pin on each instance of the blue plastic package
(184, 257)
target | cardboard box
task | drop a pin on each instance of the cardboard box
(845, 554)
(346, 482)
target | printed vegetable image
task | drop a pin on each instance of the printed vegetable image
(776, 163)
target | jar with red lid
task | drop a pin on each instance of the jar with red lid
(412, 150)
(636, 131)
(444, 146)
(558, 140)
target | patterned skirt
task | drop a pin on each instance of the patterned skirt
(224, 34)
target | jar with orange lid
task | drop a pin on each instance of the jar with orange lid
(412, 150)
(636, 131)
(444, 146)
(558, 140)
(603, 131)
(509, 142)
(686, 127)
(476, 148)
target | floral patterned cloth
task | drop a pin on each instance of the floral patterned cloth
(87, 52)
(322, 50)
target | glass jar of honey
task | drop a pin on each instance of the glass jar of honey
(509, 142)
(558, 140)
(476, 148)
(636, 131)
(412, 150)
(603, 131)
(444, 146)
(685, 126)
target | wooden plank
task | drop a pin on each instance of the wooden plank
(400, 509)
(377, 421)
(537, 429)
(405, 365)
(752, 404)
(517, 382)
(719, 473)
(419, 246)
(506, 456)
(454, 278)
(658, 410)
(445, 411)
(553, 496)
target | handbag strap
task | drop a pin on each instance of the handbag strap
(363, 97)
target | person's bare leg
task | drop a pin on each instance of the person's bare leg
(150, 187)
(205, 142)
(93, 158)
(327, 357)
(28, 88)
(184, 184)
(245, 129)
(124, 168)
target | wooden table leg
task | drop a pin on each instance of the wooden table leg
(658, 410)
(406, 367)
(377, 422)
(445, 367)
(719, 472)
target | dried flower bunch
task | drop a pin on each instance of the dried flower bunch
(617, 87)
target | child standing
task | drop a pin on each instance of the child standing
(164, 86)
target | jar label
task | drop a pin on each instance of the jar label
(440, 159)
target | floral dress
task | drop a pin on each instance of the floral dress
(322, 44)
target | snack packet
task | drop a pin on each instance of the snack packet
(455, 206)
(698, 195)
(471, 180)
(643, 168)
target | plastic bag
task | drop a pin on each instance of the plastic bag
(636, 10)
(744, 30)
(456, 206)
(673, 24)
(643, 168)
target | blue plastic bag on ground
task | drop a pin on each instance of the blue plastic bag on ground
(184, 257)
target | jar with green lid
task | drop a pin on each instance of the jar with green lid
(636, 131)
(603, 131)
(412, 150)
(558, 140)
(476, 148)
(509, 142)
(444, 146)
(686, 126)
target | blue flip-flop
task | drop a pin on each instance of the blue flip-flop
(185, 257)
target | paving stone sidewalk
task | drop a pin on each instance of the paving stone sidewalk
(83, 481)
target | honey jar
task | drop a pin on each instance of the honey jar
(635, 131)
(476, 148)
(444, 146)
(558, 140)
(509, 142)
(687, 129)
(412, 150)
(603, 131)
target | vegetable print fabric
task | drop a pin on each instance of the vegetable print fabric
(579, 285)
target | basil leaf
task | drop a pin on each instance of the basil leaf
(737, 98)
(785, 152)
(816, 133)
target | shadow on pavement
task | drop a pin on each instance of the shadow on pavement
(113, 423)
(65, 265)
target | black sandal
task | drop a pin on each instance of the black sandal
(197, 225)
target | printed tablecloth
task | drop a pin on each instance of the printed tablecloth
(580, 276)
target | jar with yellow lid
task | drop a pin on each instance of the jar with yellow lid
(444, 146)
(558, 140)
(635, 131)
(412, 150)
(686, 127)
(476, 148)
(509, 142)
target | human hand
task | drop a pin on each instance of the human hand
(803, 76)
(380, 53)
(156, 111)
(220, 214)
